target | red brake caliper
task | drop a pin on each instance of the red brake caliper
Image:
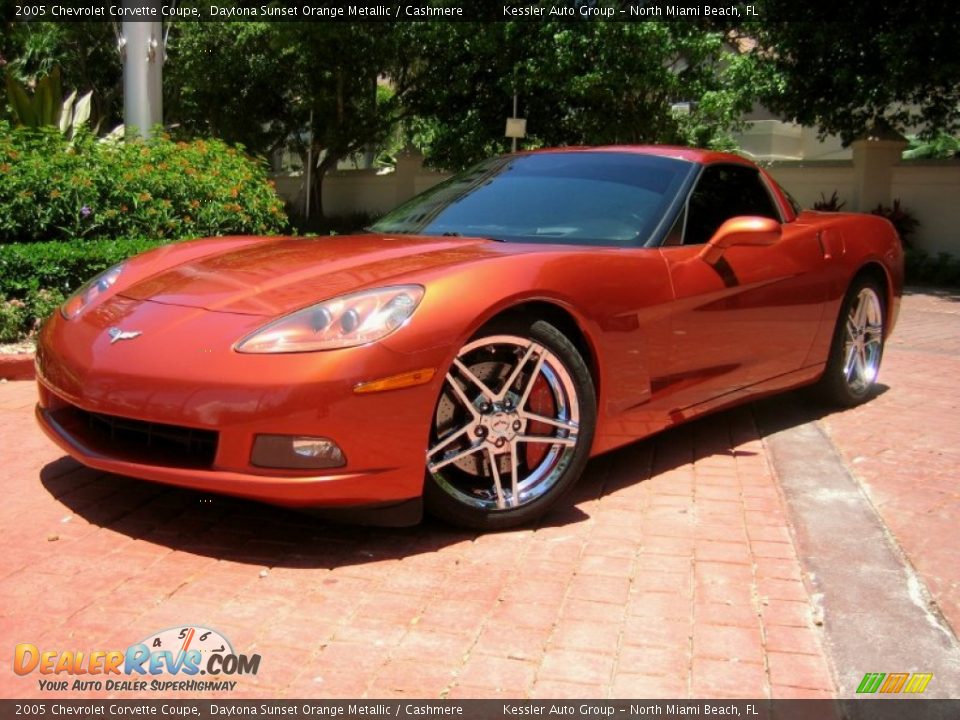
(542, 403)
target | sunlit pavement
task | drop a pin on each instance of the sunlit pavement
(672, 573)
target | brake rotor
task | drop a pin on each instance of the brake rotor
(450, 416)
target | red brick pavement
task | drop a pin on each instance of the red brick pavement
(673, 574)
(904, 445)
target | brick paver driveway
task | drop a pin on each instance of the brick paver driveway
(673, 572)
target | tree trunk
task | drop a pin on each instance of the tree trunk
(329, 161)
(317, 174)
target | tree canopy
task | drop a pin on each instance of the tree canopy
(226, 80)
(888, 63)
(452, 84)
(577, 83)
(260, 84)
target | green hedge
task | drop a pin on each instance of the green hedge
(921, 268)
(52, 189)
(35, 278)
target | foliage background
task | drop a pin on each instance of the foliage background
(35, 278)
(52, 190)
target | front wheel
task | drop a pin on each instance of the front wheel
(512, 427)
(857, 347)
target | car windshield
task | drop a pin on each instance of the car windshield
(584, 198)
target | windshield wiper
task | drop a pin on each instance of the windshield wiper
(454, 233)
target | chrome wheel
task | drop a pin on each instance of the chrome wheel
(507, 425)
(863, 341)
(857, 346)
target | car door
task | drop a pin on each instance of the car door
(744, 314)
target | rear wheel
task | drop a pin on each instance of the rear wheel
(857, 347)
(512, 428)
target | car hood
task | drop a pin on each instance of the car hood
(279, 275)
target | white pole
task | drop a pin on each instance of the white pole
(143, 54)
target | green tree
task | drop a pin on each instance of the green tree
(260, 83)
(86, 53)
(229, 80)
(577, 82)
(331, 89)
(887, 64)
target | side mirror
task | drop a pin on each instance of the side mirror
(746, 230)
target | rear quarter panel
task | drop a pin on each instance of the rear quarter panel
(854, 243)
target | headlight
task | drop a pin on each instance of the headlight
(90, 291)
(345, 321)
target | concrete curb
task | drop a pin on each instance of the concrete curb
(16, 367)
(877, 612)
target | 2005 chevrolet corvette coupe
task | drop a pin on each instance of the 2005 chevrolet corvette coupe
(477, 345)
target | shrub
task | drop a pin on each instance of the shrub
(920, 268)
(831, 204)
(35, 278)
(60, 266)
(52, 189)
(941, 146)
(13, 319)
(903, 220)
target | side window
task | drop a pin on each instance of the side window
(723, 192)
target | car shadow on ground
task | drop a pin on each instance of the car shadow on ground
(799, 407)
(254, 533)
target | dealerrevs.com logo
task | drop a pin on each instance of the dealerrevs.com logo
(167, 661)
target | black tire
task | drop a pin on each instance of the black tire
(477, 437)
(857, 347)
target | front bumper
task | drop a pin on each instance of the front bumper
(183, 372)
(372, 488)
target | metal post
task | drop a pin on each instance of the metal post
(143, 55)
(513, 142)
(306, 210)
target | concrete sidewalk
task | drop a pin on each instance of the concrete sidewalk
(674, 573)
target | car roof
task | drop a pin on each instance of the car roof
(698, 156)
(694, 155)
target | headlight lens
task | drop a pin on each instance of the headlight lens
(90, 291)
(345, 321)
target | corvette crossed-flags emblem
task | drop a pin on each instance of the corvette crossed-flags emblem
(117, 334)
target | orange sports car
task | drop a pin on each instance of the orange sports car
(474, 348)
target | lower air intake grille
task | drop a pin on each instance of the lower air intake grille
(148, 441)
